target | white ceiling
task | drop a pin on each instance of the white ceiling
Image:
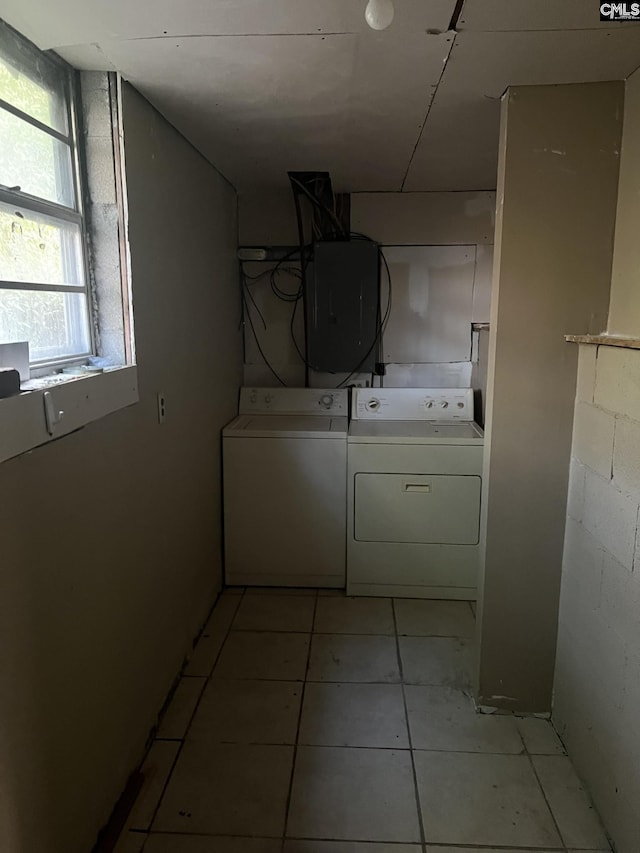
(264, 86)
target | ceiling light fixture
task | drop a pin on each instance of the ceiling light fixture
(379, 14)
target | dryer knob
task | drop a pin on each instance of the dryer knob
(444, 405)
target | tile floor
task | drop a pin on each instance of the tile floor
(309, 722)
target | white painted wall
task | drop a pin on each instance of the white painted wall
(110, 537)
(438, 290)
(597, 679)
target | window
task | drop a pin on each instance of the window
(44, 297)
(76, 317)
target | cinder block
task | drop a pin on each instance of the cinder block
(620, 606)
(626, 455)
(591, 665)
(102, 182)
(593, 431)
(593, 749)
(96, 108)
(586, 373)
(611, 516)
(618, 381)
(112, 345)
(582, 567)
(92, 81)
(629, 755)
(575, 497)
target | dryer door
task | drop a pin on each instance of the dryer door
(422, 508)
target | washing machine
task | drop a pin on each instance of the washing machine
(414, 478)
(285, 488)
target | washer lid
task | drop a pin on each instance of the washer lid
(415, 432)
(287, 426)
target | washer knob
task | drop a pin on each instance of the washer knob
(444, 405)
(373, 404)
(268, 398)
(429, 404)
(461, 405)
(326, 401)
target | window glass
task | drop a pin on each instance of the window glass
(55, 324)
(32, 83)
(35, 162)
(43, 288)
(39, 249)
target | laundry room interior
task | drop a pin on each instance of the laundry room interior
(320, 426)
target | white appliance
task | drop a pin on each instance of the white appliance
(414, 468)
(285, 488)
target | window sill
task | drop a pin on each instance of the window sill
(81, 399)
(604, 341)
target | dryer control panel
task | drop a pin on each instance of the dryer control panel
(294, 401)
(412, 404)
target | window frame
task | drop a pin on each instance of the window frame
(69, 80)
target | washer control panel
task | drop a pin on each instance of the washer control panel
(295, 401)
(412, 404)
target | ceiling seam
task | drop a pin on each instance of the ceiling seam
(168, 36)
(455, 17)
(183, 136)
(550, 30)
(430, 105)
(426, 192)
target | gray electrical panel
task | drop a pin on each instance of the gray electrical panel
(343, 306)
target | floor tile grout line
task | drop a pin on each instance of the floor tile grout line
(389, 635)
(529, 756)
(216, 742)
(300, 712)
(205, 679)
(433, 684)
(423, 837)
(546, 799)
(226, 636)
(444, 845)
(183, 739)
(472, 848)
(215, 662)
(179, 741)
(164, 788)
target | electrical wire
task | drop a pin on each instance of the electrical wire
(283, 295)
(316, 201)
(385, 319)
(293, 335)
(245, 290)
(295, 297)
(255, 305)
(303, 286)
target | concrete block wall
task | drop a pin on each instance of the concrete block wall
(597, 682)
(103, 217)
